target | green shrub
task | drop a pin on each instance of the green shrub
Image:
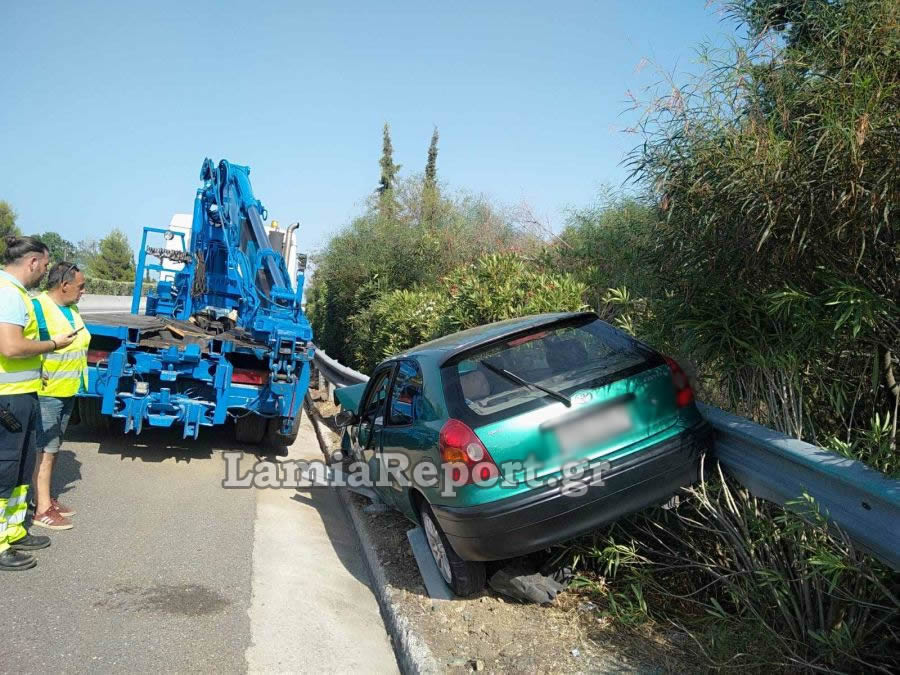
(754, 585)
(107, 287)
(775, 176)
(505, 286)
(395, 322)
(493, 288)
(413, 244)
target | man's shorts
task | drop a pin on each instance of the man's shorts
(55, 413)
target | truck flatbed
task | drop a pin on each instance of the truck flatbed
(161, 332)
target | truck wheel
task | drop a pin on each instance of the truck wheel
(250, 429)
(91, 417)
(463, 576)
(274, 432)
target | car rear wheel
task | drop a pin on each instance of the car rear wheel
(463, 576)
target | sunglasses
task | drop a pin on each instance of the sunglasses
(69, 269)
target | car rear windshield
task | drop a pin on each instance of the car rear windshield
(584, 354)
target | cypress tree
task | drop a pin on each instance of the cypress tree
(430, 189)
(431, 165)
(388, 168)
(386, 204)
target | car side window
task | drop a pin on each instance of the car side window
(406, 394)
(374, 404)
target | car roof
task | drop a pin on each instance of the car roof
(446, 347)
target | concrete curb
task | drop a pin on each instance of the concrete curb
(413, 655)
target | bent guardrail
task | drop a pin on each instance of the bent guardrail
(335, 373)
(863, 502)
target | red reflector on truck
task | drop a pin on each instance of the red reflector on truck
(96, 355)
(244, 376)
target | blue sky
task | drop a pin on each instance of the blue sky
(109, 108)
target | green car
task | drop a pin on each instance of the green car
(508, 438)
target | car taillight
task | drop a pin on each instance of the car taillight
(244, 376)
(684, 395)
(461, 447)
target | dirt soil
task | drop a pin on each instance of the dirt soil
(490, 633)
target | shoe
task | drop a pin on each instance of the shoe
(64, 511)
(30, 542)
(15, 561)
(52, 520)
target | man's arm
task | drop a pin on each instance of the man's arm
(14, 344)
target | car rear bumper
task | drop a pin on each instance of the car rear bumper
(545, 516)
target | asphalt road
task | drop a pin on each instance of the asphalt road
(167, 571)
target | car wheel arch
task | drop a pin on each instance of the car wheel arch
(416, 498)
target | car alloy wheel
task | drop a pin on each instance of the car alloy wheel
(438, 552)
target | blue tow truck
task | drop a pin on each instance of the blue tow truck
(222, 336)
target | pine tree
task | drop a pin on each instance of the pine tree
(115, 260)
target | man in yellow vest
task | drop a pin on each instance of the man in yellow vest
(25, 263)
(64, 374)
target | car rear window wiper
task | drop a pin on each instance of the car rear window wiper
(525, 383)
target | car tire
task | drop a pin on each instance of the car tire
(464, 577)
(250, 429)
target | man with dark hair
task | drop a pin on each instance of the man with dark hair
(25, 263)
(64, 373)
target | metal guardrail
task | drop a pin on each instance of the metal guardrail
(336, 373)
(863, 502)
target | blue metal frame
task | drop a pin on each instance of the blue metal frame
(243, 279)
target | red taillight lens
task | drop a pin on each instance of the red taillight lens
(244, 376)
(684, 395)
(461, 447)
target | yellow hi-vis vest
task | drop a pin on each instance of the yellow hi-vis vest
(65, 370)
(21, 376)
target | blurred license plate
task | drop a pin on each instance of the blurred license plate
(588, 431)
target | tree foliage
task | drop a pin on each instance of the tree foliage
(776, 258)
(8, 225)
(114, 260)
(430, 188)
(431, 164)
(60, 249)
(494, 287)
(389, 171)
(604, 244)
(505, 286)
(377, 254)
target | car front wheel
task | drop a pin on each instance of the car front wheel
(463, 576)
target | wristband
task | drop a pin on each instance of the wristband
(55, 346)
